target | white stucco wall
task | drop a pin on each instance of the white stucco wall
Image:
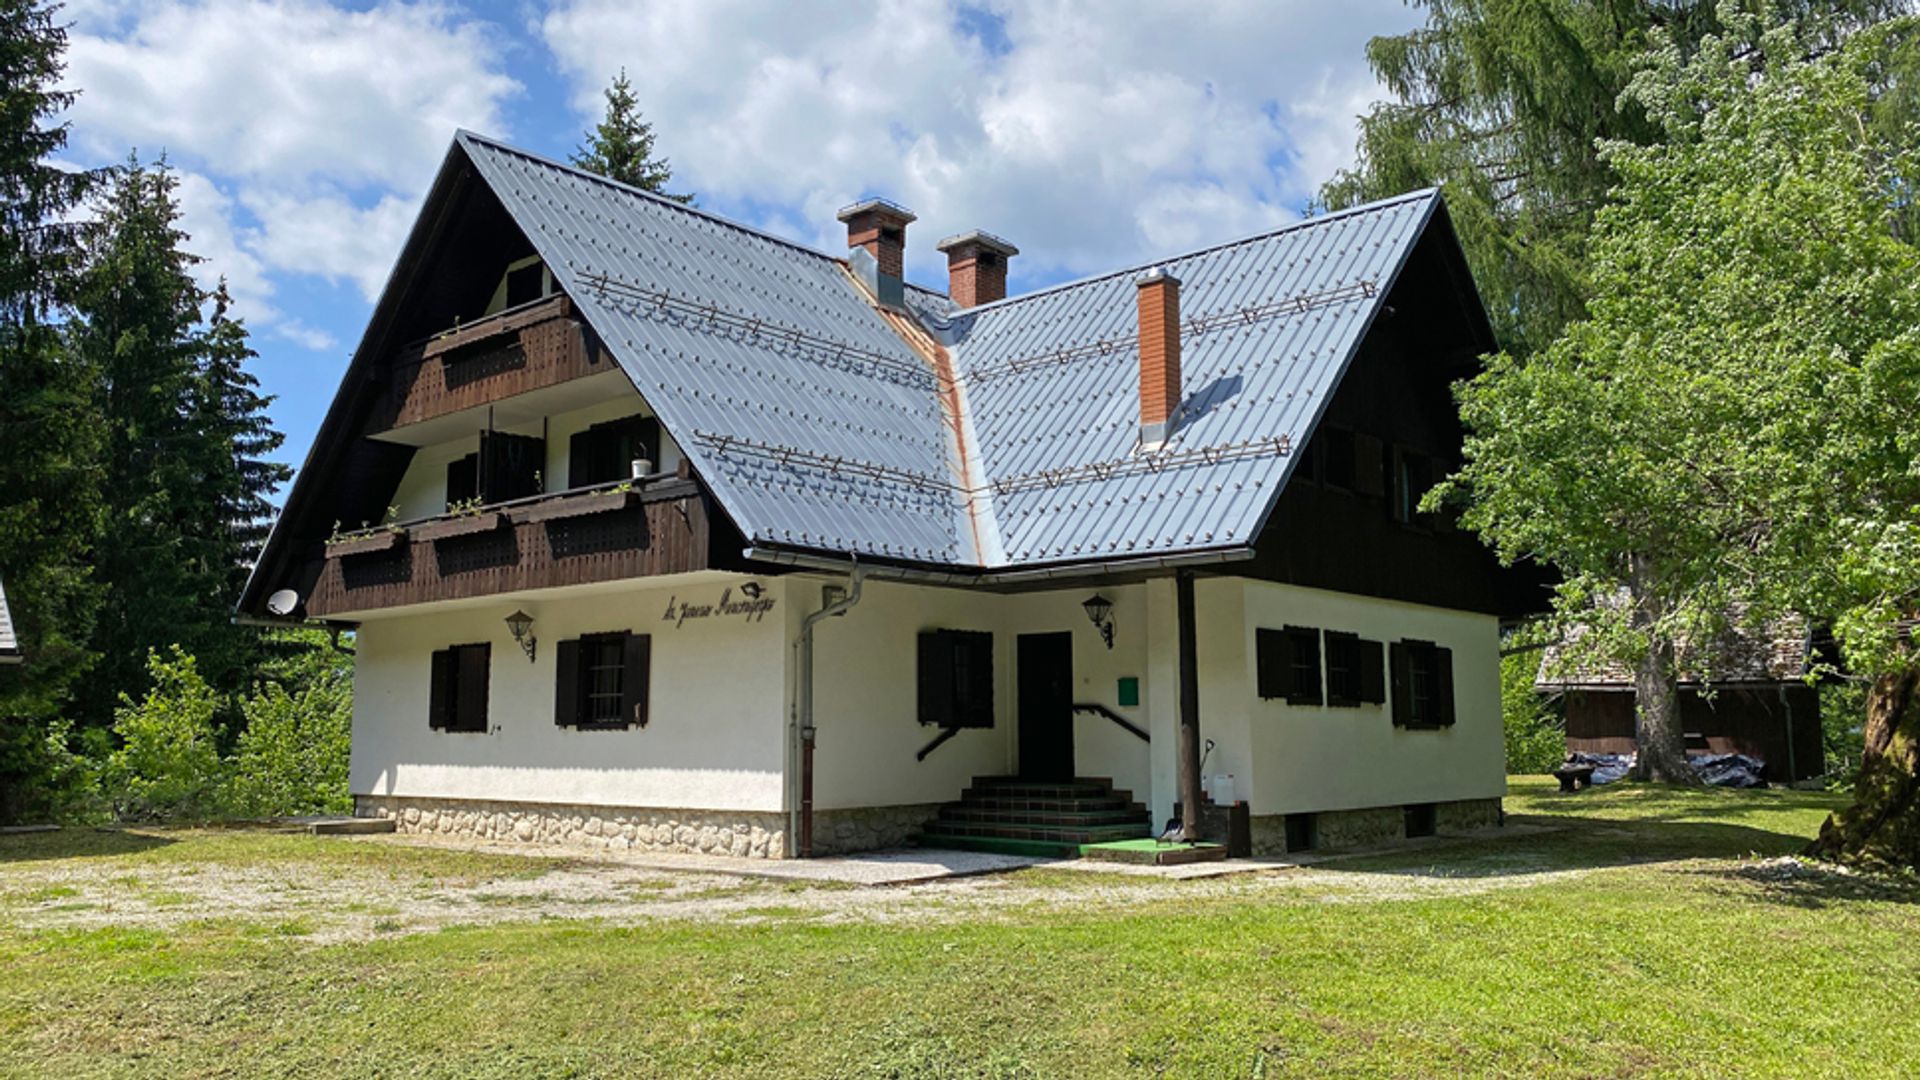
(865, 696)
(714, 739)
(1307, 758)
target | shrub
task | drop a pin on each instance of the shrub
(1536, 740)
(168, 764)
(292, 757)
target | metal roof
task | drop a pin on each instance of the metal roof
(9, 645)
(817, 426)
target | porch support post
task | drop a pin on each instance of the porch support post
(1189, 742)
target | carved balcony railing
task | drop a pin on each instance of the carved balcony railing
(607, 533)
(526, 348)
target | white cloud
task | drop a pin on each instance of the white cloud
(1091, 134)
(306, 132)
(292, 89)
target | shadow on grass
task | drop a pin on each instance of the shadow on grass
(1576, 844)
(76, 843)
(1815, 885)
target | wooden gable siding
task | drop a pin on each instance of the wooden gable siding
(524, 349)
(663, 529)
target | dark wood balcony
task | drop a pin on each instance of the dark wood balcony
(607, 533)
(520, 350)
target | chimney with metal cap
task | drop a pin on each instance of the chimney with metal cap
(976, 267)
(877, 246)
(1158, 298)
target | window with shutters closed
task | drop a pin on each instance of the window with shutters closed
(457, 696)
(1287, 664)
(603, 681)
(955, 677)
(1422, 675)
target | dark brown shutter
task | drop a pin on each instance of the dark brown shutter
(440, 690)
(976, 696)
(1270, 660)
(646, 439)
(463, 479)
(510, 465)
(1369, 466)
(1373, 676)
(470, 697)
(636, 678)
(566, 683)
(1443, 686)
(935, 678)
(580, 459)
(1399, 665)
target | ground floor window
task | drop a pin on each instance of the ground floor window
(955, 676)
(457, 698)
(1422, 684)
(1356, 670)
(1287, 664)
(603, 680)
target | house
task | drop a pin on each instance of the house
(1748, 695)
(664, 532)
(9, 643)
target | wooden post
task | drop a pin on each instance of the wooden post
(1188, 748)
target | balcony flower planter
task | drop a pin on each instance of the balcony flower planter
(569, 506)
(459, 525)
(366, 543)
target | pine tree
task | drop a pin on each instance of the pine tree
(621, 147)
(186, 485)
(49, 452)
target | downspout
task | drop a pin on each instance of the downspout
(800, 815)
(1793, 773)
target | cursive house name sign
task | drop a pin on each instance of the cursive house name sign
(746, 603)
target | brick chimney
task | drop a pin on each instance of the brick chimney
(1158, 298)
(877, 246)
(976, 267)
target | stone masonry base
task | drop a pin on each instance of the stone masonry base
(1373, 826)
(742, 833)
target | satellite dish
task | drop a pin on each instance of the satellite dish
(283, 602)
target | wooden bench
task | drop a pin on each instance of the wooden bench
(1574, 777)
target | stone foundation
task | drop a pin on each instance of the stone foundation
(867, 828)
(1373, 826)
(743, 833)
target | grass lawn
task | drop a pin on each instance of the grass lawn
(1618, 932)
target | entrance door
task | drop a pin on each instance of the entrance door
(1044, 670)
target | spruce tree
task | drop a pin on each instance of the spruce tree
(49, 452)
(1505, 103)
(621, 146)
(186, 483)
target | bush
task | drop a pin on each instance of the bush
(1843, 723)
(1536, 738)
(168, 764)
(292, 757)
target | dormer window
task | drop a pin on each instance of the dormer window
(524, 281)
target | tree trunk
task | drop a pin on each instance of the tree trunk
(1882, 827)
(1657, 731)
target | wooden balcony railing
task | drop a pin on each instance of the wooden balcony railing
(606, 533)
(525, 348)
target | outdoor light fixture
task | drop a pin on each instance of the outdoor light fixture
(520, 625)
(1100, 610)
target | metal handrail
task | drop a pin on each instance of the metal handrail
(1098, 709)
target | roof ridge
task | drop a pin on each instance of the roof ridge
(1291, 226)
(467, 135)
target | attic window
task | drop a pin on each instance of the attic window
(525, 281)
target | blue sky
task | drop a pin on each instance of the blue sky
(1091, 134)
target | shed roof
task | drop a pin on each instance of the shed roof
(1000, 436)
(1777, 651)
(9, 644)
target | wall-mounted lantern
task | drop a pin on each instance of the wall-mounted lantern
(520, 625)
(1100, 610)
